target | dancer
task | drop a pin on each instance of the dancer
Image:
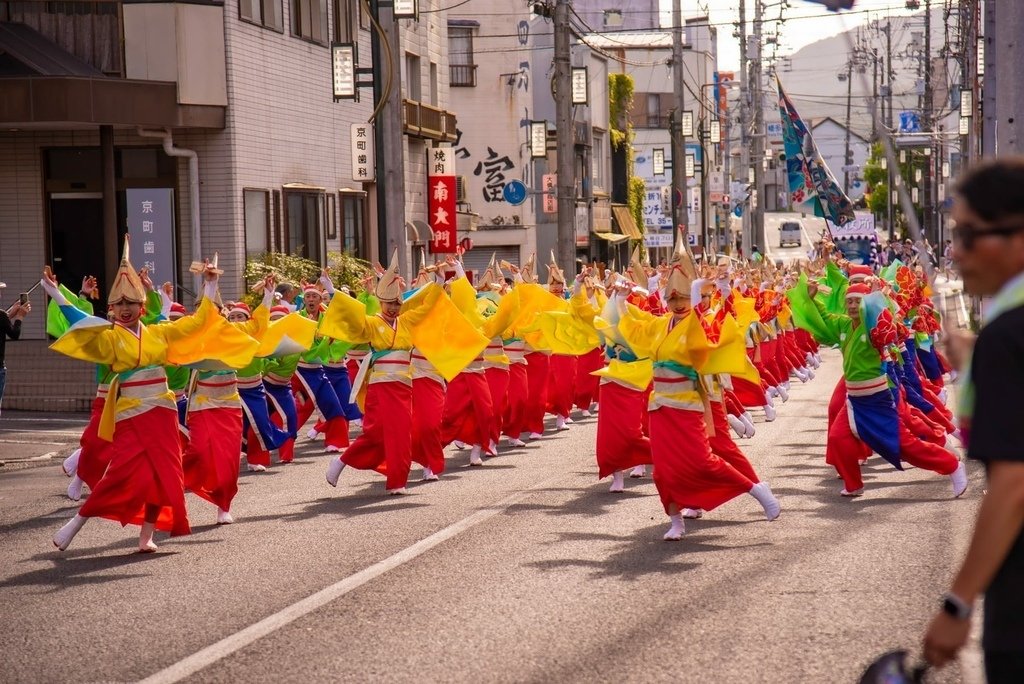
(686, 472)
(143, 483)
(427, 320)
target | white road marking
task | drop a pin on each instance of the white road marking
(33, 441)
(42, 457)
(239, 640)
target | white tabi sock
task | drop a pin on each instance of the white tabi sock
(75, 488)
(334, 471)
(146, 544)
(617, 482)
(65, 534)
(677, 529)
(764, 496)
(70, 465)
(748, 423)
(737, 425)
(638, 471)
(474, 456)
(770, 413)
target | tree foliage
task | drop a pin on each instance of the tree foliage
(343, 268)
(637, 193)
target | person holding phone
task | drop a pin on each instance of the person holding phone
(10, 326)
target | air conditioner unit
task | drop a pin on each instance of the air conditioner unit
(461, 186)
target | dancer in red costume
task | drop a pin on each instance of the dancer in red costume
(686, 472)
(143, 483)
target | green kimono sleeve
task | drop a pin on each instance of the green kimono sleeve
(56, 322)
(811, 315)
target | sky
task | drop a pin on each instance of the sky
(807, 22)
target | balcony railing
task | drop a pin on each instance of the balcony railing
(424, 121)
(462, 75)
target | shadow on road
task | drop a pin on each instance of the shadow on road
(69, 571)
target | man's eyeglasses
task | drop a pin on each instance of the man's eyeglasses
(967, 235)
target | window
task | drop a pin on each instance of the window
(433, 84)
(654, 110)
(309, 20)
(597, 160)
(413, 85)
(353, 234)
(304, 224)
(330, 218)
(263, 12)
(256, 207)
(462, 70)
(343, 20)
(364, 16)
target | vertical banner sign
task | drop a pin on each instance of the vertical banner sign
(363, 162)
(151, 229)
(441, 200)
(549, 183)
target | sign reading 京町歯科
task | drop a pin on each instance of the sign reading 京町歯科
(150, 214)
(441, 200)
(364, 167)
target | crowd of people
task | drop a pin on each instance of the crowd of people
(673, 360)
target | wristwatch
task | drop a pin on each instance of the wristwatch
(956, 607)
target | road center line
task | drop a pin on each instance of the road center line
(239, 640)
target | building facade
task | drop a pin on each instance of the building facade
(197, 128)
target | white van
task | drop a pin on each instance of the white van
(790, 234)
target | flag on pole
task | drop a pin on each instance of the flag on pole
(812, 187)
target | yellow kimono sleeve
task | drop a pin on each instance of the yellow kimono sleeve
(464, 299)
(746, 312)
(206, 342)
(292, 334)
(508, 310)
(90, 339)
(345, 319)
(582, 308)
(728, 356)
(441, 332)
(637, 374)
(564, 333)
(640, 330)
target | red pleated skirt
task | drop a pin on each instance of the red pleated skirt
(686, 473)
(468, 411)
(427, 410)
(385, 444)
(214, 450)
(145, 468)
(621, 443)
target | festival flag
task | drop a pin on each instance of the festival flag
(812, 187)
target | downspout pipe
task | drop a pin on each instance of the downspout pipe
(170, 150)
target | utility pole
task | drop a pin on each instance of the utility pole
(847, 159)
(759, 131)
(928, 224)
(388, 141)
(679, 217)
(888, 122)
(746, 232)
(566, 142)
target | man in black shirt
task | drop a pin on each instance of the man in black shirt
(10, 326)
(988, 248)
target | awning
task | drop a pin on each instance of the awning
(624, 220)
(614, 238)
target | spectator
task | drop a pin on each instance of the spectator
(989, 251)
(947, 260)
(10, 326)
(755, 254)
(288, 295)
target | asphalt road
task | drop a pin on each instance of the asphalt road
(523, 570)
(810, 228)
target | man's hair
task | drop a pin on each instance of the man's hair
(284, 288)
(993, 189)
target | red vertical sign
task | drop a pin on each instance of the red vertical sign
(441, 200)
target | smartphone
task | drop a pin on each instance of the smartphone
(23, 298)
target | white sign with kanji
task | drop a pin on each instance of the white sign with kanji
(363, 161)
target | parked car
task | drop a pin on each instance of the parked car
(790, 233)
